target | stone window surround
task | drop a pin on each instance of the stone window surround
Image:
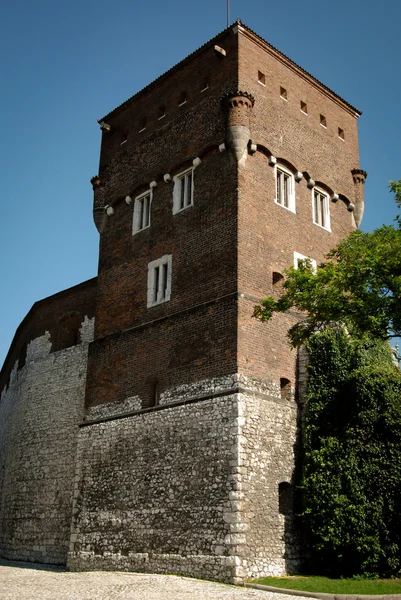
(161, 277)
(322, 216)
(185, 197)
(283, 172)
(139, 220)
(298, 256)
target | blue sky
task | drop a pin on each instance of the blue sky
(66, 64)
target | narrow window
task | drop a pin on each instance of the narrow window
(341, 133)
(205, 85)
(285, 498)
(159, 280)
(321, 213)
(323, 121)
(261, 78)
(183, 190)
(285, 188)
(141, 219)
(142, 125)
(283, 93)
(124, 138)
(162, 113)
(285, 388)
(155, 393)
(304, 107)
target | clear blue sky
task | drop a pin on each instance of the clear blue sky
(66, 64)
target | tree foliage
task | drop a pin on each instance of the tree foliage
(352, 457)
(359, 285)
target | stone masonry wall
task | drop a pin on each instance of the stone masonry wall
(153, 491)
(267, 458)
(39, 415)
(190, 488)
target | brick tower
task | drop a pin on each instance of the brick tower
(212, 180)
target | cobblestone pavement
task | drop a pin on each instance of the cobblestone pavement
(27, 583)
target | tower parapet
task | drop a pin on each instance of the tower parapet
(359, 177)
(239, 106)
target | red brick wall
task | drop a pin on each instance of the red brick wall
(268, 233)
(233, 237)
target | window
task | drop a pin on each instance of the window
(283, 93)
(341, 134)
(159, 280)
(277, 278)
(285, 388)
(285, 195)
(321, 212)
(183, 190)
(304, 107)
(141, 219)
(285, 498)
(323, 121)
(300, 257)
(261, 78)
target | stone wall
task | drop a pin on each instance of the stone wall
(39, 415)
(190, 488)
(152, 491)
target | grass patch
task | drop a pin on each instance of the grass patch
(334, 586)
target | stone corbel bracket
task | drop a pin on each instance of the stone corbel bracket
(238, 106)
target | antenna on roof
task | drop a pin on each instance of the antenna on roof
(228, 13)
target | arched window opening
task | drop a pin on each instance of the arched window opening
(285, 388)
(277, 279)
(285, 498)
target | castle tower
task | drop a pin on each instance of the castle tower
(212, 180)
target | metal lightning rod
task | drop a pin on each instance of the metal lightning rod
(228, 13)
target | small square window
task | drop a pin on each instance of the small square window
(304, 107)
(183, 190)
(341, 134)
(283, 93)
(162, 113)
(323, 121)
(301, 257)
(321, 210)
(141, 218)
(261, 78)
(159, 280)
(285, 195)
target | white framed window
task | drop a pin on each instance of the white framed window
(285, 189)
(141, 217)
(321, 208)
(183, 192)
(159, 280)
(300, 257)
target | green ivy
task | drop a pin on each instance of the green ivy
(351, 482)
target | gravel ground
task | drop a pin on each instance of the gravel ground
(30, 583)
